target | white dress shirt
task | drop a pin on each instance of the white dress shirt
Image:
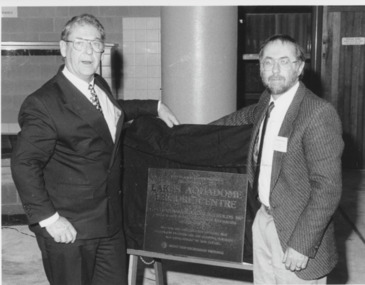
(110, 111)
(271, 141)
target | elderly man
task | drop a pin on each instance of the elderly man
(66, 165)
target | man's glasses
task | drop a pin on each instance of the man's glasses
(81, 44)
(284, 63)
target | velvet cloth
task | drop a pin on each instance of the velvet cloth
(149, 143)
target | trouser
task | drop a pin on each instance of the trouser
(268, 267)
(101, 261)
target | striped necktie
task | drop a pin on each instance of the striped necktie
(94, 98)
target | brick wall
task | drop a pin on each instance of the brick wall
(136, 31)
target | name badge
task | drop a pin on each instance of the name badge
(281, 144)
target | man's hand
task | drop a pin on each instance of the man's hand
(294, 261)
(165, 114)
(62, 231)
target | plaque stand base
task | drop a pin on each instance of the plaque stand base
(135, 254)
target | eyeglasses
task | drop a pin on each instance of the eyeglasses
(81, 44)
(284, 63)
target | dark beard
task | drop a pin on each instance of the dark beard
(281, 88)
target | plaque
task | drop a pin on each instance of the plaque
(196, 213)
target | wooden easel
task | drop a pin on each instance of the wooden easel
(135, 254)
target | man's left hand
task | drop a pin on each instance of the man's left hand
(165, 114)
(294, 260)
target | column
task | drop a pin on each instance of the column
(199, 60)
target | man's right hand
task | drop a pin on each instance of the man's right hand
(62, 231)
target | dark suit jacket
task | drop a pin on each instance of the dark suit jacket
(65, 159)
(306, 181)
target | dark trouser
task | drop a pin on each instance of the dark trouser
(85, 262)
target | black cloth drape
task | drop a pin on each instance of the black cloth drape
(149, 143)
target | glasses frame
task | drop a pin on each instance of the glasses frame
(279, 61)
(84, 41)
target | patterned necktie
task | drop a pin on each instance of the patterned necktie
(94, 98)
(262, 137)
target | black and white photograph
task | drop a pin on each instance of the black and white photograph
(194, 143)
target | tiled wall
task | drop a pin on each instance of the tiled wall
(26, 67)
(20, 76)
(142, 58)
(10, 201)
(136, 30)
(138, 44)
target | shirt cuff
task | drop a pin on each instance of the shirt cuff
(49, 221)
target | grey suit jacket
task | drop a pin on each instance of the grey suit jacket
(306, 182)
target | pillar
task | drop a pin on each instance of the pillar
(199, 61)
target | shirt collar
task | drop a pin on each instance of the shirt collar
(79, 83)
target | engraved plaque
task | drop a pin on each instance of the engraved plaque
(196, 213)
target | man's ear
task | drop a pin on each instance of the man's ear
(301, 67)
(63, 48)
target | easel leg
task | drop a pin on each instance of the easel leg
(133, 269)
(158, 272)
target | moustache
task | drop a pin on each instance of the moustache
(275, 77)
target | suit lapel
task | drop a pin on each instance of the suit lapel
(286, 131)
(119, 128)
(75, 101)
